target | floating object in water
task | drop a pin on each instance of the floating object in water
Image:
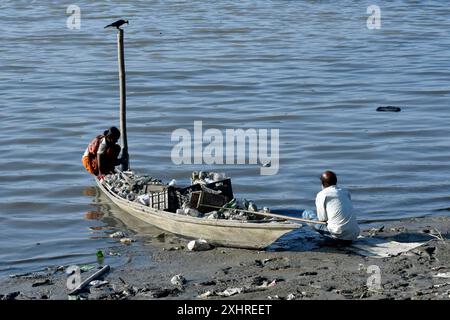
(388, 109)
(178, 280)
(198, 245)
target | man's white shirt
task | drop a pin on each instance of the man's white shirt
(334, 206)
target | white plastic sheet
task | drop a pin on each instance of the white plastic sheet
(382, 248)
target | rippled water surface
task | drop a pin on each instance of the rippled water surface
(309, 68)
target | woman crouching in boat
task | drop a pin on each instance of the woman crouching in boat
(101, 155)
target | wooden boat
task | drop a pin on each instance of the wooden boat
(219, 232)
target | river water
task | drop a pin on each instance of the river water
(312, 69)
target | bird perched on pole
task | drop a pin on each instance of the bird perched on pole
(117, 24)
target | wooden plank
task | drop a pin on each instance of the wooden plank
(273, 215)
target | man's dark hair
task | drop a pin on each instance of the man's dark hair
(328, 178)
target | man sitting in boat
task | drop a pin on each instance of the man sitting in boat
(334, 206)
(101, 156)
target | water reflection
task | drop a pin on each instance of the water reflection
(93, 215)
(116, 218)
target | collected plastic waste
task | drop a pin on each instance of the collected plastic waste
(230, 292)
(128, 185)
(203, 177)
(178, 280)
(144, 199)
(198, 245)
(226, 293)
(118, 234)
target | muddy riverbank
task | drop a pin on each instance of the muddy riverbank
(303, 267)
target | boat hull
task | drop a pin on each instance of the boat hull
(229, 233)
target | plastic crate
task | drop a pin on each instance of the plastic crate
(206, 202)
(162, 197)
(216, 193)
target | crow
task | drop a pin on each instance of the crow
(117, 24)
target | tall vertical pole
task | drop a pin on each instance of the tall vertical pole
(123, 101)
